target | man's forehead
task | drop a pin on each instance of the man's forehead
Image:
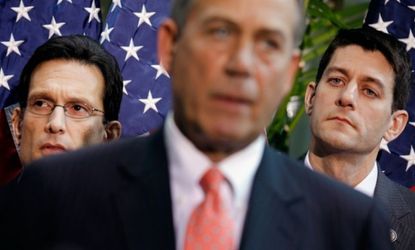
(59, 77)
(353, 52)
(292, 5)
(266, 14)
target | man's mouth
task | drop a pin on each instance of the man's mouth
(342, 120)
(50, 148)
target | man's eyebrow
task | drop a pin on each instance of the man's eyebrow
(218, 19)
(44, 94)
(40, 94)
(375, 80)
(275, 32)
(335, 69)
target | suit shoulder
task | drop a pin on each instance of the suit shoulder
(328, 201)
(117, 149)
(317, 183)
(407, 195)
(103, 160)
(393, 194)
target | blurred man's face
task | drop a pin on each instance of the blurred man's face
(60, 82)
(351, 107)
(232, 64)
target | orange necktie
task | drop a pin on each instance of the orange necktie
(210, 225)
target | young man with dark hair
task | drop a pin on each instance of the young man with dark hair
(359, 97)
(70, 94)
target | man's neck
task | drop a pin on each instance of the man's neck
(349, 168)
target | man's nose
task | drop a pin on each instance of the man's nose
(57, 121)
(347, 96)
(241, 60)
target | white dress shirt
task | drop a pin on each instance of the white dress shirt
(366, 186)
(187, 165)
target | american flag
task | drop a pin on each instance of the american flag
(130, 34)
(397, 17)
(26, 24)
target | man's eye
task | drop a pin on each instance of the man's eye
(335, 81)
(40, 103)
(220, 32)
(272, 44)
(370, 93)
(78, 108)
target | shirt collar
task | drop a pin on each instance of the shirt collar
(366, 186)
(238, 168)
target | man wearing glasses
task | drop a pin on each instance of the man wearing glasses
(69, 94)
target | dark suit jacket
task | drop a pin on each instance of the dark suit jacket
(117, 196)
(400, 204)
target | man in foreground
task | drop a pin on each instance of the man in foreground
(207, 180)
(359, 97)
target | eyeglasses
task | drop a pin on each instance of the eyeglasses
(72, 109)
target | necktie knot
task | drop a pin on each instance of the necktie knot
(211, 179)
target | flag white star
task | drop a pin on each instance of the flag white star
(160, 70)
(12, 45)
(144, 16)
(54, 27)
(93, 12)
(384, 145)
(412, 7)
(412, 123)
(409, 158)
(131, 50)
(115, 3)
(386, 2)
(125, 83)
(22, 11)
(150, 102)
(60, 1)
(410, 41)
(381, 25)
(4, 79)
(144, 134)
(105, 34)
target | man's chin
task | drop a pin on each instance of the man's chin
(226, 143)
(339, 147)
(211, 137)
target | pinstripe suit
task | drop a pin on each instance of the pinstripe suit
(400, 203)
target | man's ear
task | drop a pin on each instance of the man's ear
(112, 130)
(309, 97)
(397, 125)
(167, 35)
(17, 120)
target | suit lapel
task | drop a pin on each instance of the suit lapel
(144, 201)
(275, 208)
(388, 193)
